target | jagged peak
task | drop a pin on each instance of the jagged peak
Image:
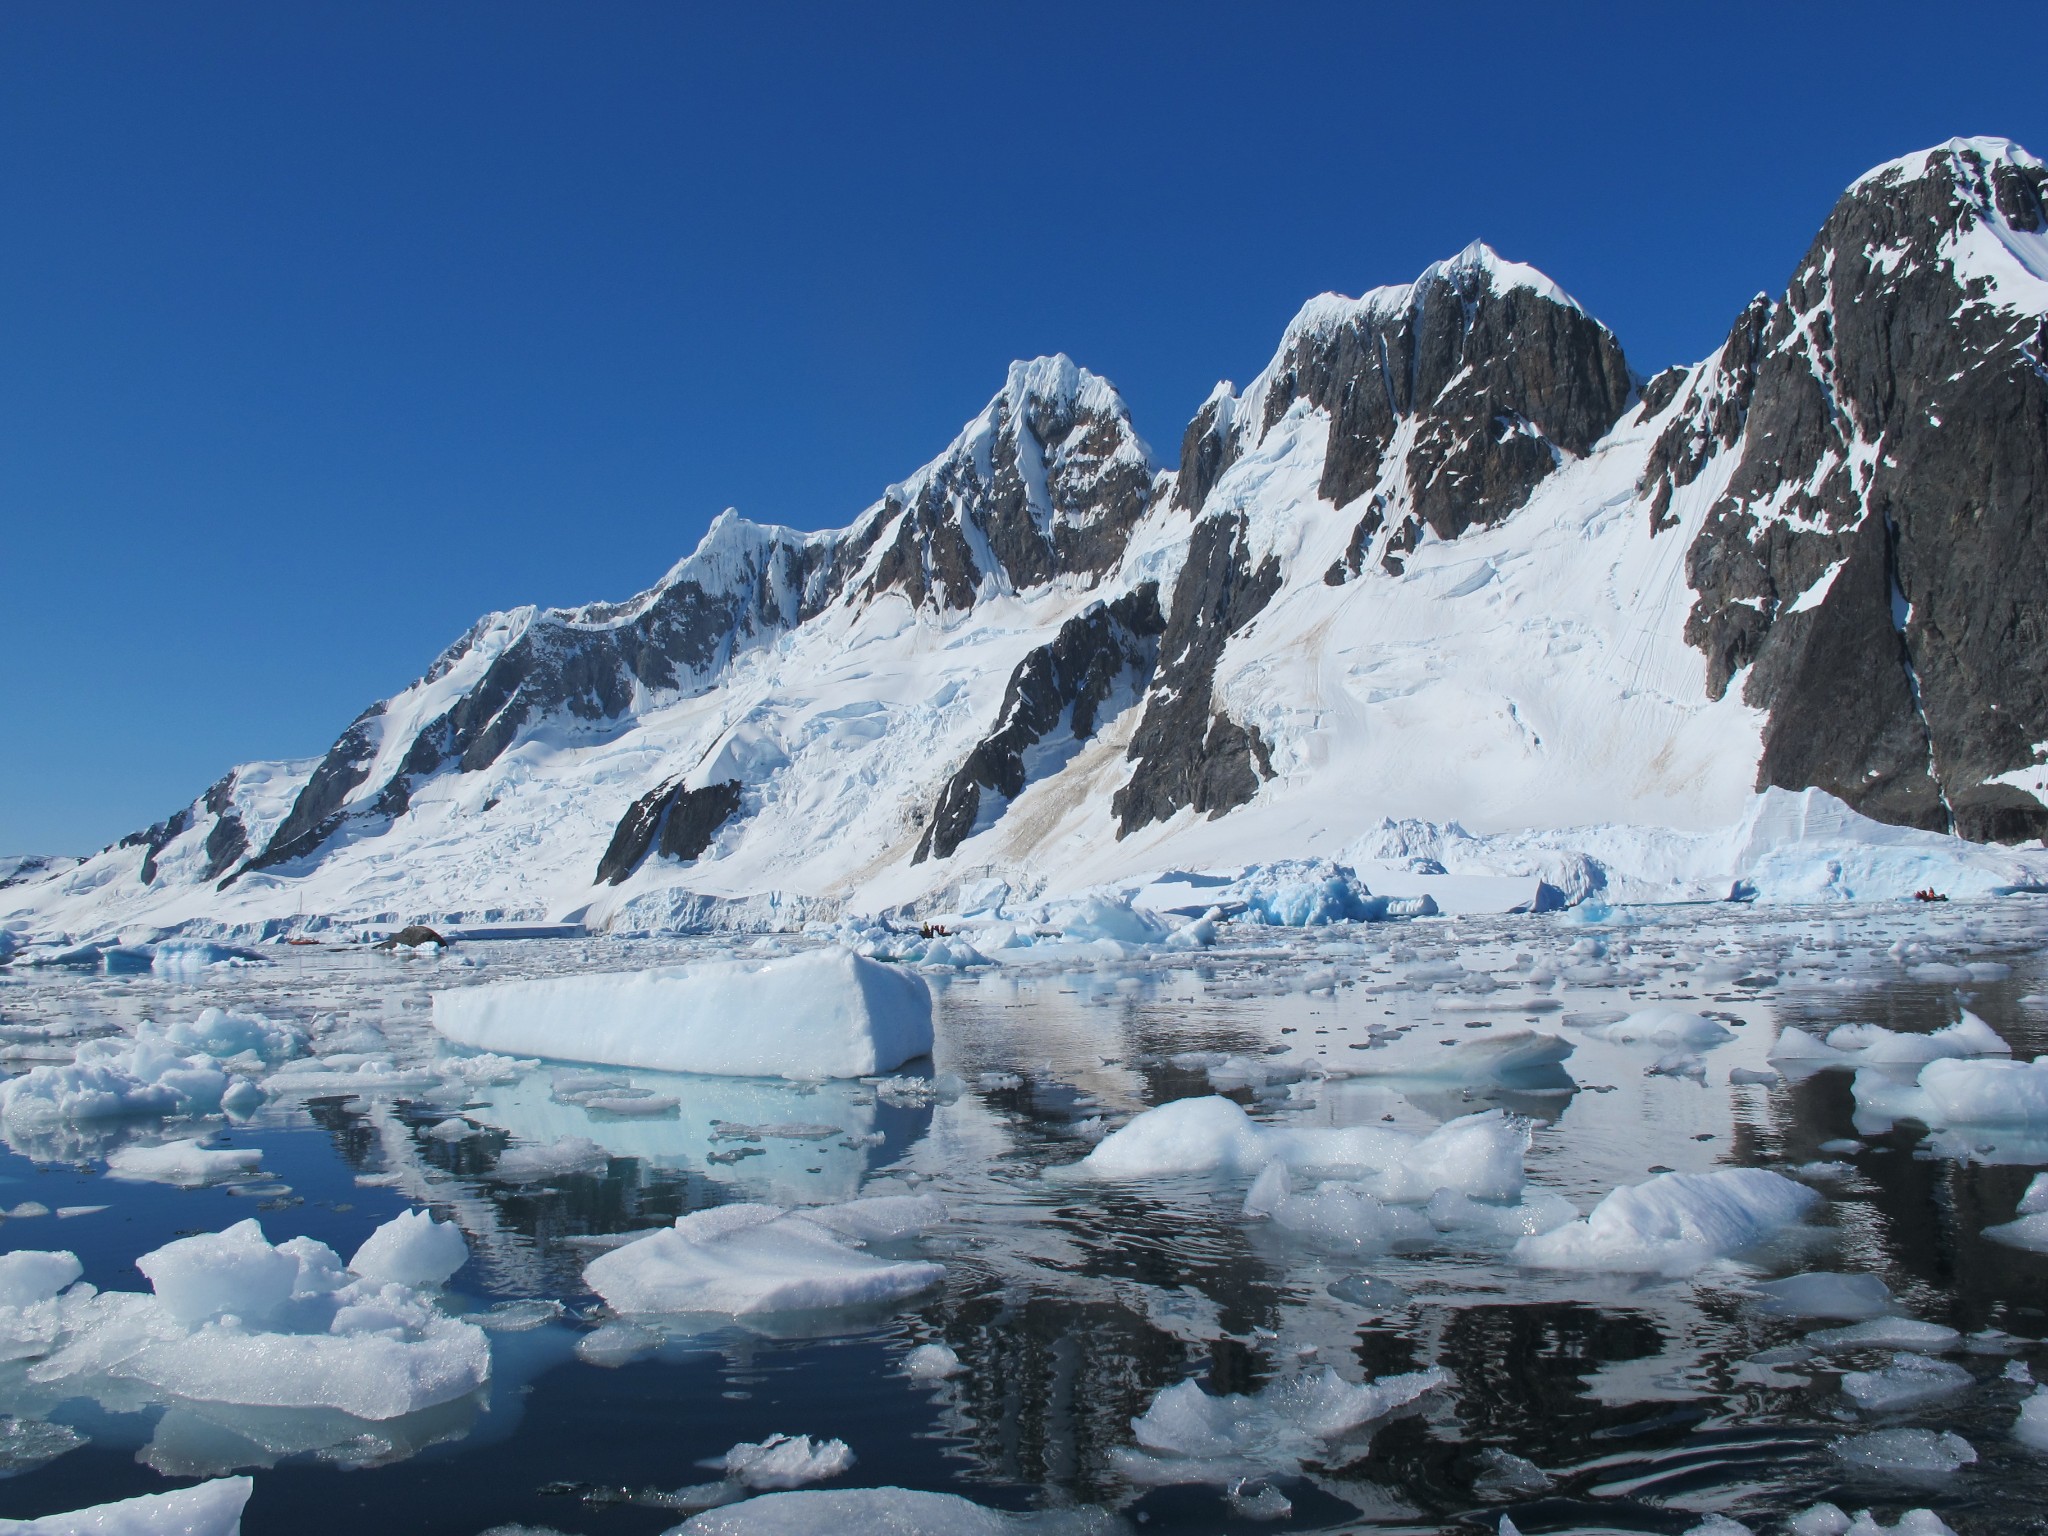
(1327, 311)
(1042, 395)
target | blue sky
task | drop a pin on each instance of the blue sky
(325, 328)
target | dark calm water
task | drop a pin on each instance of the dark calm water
(1072, 1305)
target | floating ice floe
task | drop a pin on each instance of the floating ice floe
(1674, 1223)
(1909, 1453)
(740, 1260)
(1665, 1027)
(1479, 1155)
(1907, 1382)
(233, 1318)
(187, 1163)
(888, 1512)
(1907, 1333)
(1872, 1045)
(827, 1013)
(1336, 1214)
(1821, 1294)
(1188, 1436)
(209, 1509)
(1510, 1058)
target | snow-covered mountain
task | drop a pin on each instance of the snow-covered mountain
(1445, 575)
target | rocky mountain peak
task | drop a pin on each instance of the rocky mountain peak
(1047, 481)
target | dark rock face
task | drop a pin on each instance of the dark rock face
(226, 840)
(316, 814)
(1500, 378)
(1207, 448)
(1049, 481)
(1057, 691)
(1187, 752)
(1890, 414)
(685, 819)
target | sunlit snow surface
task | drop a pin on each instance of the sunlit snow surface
(1346, 1322)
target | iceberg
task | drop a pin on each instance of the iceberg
(1674, 1224)
(827, 1013)
(740, 1260)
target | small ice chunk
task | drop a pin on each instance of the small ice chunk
(2031, 1428)
(617, 1344)
(1719, 1525)
(560, 1159)
(1831, 1520)
(932, 1362)
(1872, 1045)
(744, 1259)
(1505, 1475)
(786, 1461)
(26, 1444)
(1913, 1452)
(1269, 1503)
(1674, 1223)
(1906, 1383)
(1739, 1077)
(1822, 1294)
(1186, 1435)
(188, 1163)
(411, 1249)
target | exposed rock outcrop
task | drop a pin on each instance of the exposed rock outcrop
(1053, 705)
(1875, 562)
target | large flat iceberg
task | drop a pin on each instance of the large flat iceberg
(828, 1013)
(210, 1509)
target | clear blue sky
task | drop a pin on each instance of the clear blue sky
(325, 328)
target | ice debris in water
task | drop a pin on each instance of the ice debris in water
(1674, 1223)
(888, 1512)
(1956, 1092)
(1907, 1382)
(2031, 1428)
(1887, 1333)
(1831, 1520)
(2030, 1228)
(1872, 1045)
(188, 1163)
(826, 1013)
(1719, 1525)
(26, 1444)
(1188, 1436)
(1662, 1027)
(1509, 1057)
(1821, 1294)
(1910, 1453)
(785, 1461)
(932, 1362)
(207, 1509)
(740, 1260)
(234, 1319)
(1478, 1155)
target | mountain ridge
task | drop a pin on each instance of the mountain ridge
(1074, 641)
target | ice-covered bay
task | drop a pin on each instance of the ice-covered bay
(1303, 1224)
